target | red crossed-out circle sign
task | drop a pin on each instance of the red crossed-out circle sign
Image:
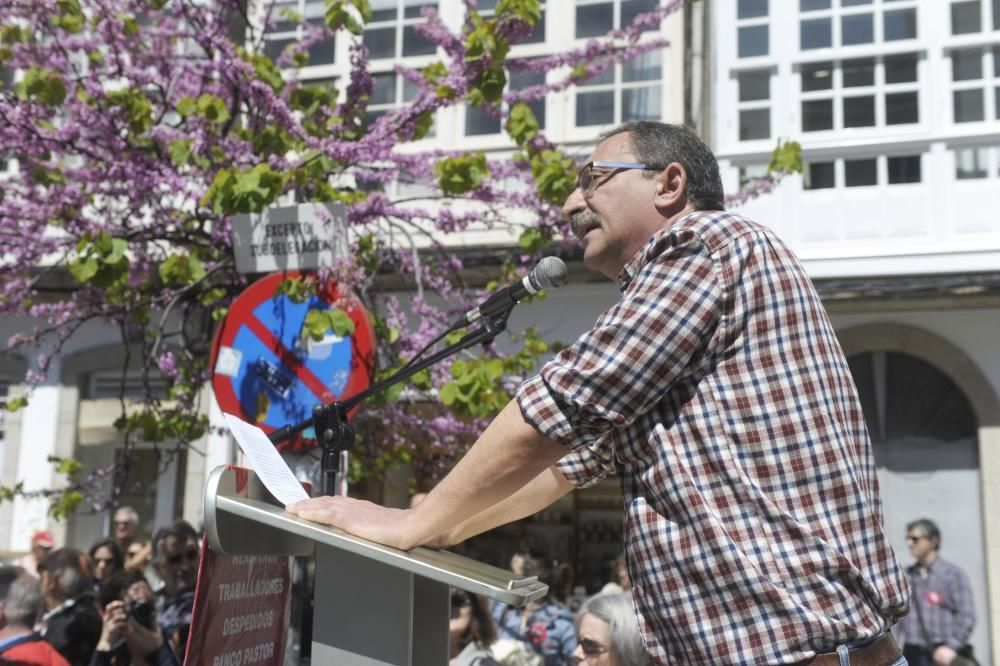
(265, 372)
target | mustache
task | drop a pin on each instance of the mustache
(583, 220)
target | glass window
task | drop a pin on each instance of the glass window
(595, 108)
(901, 68)
(594, 20)
(965, 17)
(857, 29)
(970, 163)
(901, 108)
(751, 8)
(632, 8)
(996, 14)
(752, 172)
(381, 43)
(478, 122)
(818, 76)
(966, 64)
(817, 115)
(996, 102)
(900, 24)
(273, 48)
(383, 89)
(904, 169)
(968, 106)
(641, 103)
(752, 41)
(528, 79)
(851, 3)
(819, 175)
(755, 124)
(859, 111)
(815, 34)
(754, 86)
(859, 173)
(859, 72)
(416, 44)
(812, 5)
(646, 67)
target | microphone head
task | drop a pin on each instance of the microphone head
(551, 272)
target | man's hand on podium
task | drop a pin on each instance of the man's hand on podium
(360, 518)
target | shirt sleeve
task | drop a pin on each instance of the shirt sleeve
(659, 332)
(965, 613)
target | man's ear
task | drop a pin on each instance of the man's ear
(671, 187)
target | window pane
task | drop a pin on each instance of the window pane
(904, 169)
(810, 5)
(752, 172)
(901, 108)
(996, 14)
(857, 29)
(381, 42)
(900, 24)
(850, 3)
(646, 67)
(815, 34)
(752, 41)
(858, 173)
(274, 47)
(996, 102)
(817, 115)
(383, 89)
(966, 64)
(996, 59)
(859, 111)
(414, 8)
(416, 44)
(901, 69)
(527, 79)
(751, 8)
(537, 32)
(859, 73)
(755, 86)
(641, 103)
(968, 106)
(478, 122)
(819, 175)
(632, 8)
(594, 20)
(970, 163)
(965, 17)
(595, 108)
(322, 52)
(755, 124)
(818, 76)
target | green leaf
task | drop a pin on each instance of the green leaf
(338, 15)
(213, 108)
(267, 71)
(179, 151)
(488, 86)
(457, 175)
(186, 107)
(529, 11)
(16, 404)
(786, 157)
(180, 270)
(83, 270)
(43, 85)
(554, 174)
(522, 126)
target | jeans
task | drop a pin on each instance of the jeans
(845, 660)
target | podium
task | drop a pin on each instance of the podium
(373, 605)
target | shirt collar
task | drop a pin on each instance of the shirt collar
(635, 264)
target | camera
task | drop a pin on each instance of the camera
(142, 611)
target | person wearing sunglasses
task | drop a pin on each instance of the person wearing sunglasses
(175, 558)
(607, 633)
(716, 392)
(937, 628)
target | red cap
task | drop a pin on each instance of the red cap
(43, 538)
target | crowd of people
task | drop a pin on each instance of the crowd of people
(126, 601)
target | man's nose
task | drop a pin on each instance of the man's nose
(574, 204)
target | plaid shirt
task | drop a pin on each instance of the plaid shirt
(943, 597)
(718, 393)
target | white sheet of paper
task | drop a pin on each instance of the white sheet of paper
(266, 461)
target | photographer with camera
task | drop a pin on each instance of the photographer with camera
(130, 635)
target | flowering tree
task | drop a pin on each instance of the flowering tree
(139, 128)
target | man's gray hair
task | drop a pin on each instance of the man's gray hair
(659, 144)
(132, 514)
(625, 643)
(22, 596)
(929, 529)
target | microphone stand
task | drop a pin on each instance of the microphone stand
(333, 429)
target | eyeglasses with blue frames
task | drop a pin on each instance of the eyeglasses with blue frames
(586, 179)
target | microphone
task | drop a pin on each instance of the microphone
(549, 273)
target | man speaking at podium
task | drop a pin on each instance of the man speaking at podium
(717, 393)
